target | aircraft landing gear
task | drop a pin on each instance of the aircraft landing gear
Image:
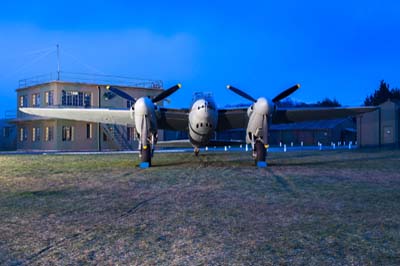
(196, 151)
(145, 153)
(260, 152)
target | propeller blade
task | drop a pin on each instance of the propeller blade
(121, 93)
(166, 93)
(241, 93)
(286, 93)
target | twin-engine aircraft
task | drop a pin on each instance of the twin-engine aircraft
(201, 120)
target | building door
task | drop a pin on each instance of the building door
(388, 135)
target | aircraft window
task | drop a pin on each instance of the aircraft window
(197, 125)
(201, 124)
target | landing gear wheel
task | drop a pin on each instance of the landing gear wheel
(260, 152)
(146, 154)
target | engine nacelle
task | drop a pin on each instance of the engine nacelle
(250, 110)
(257, 128)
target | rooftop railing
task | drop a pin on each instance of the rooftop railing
(90, 78)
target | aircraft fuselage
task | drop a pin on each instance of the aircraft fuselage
(203, 120)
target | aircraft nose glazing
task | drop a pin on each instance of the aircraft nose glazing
(202, 107)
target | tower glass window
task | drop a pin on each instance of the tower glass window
(76, 98)
(23, 101)
(36, 99)
(49, 97)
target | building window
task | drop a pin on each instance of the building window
(48, 134)
(76, 98)
(87, 100)
(49, 97)
(35, 134)
(67, 133)
(23, 101)
(89, 131)
(36, 99)
(23, 134)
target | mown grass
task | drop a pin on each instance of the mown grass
(306, 208)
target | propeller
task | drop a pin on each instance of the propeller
(241, 93)
(279, 97)
(285, 93)
(164, 94)
(121, 93)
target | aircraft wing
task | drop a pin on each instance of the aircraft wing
(107, 116)
(173, 119)
(312, 114)
(232, 118)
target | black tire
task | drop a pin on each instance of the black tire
(146, 155)
(261, 151)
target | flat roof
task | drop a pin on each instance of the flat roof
(89, 79)
(87, 84)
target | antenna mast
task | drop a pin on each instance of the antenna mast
(58, 62)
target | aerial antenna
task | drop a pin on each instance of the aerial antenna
(58, 62)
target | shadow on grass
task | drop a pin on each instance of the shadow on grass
(282, 181)
(160, 164)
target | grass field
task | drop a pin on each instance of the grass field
(306, 208)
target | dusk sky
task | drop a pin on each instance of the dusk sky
(337, 49)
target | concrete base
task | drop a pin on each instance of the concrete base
(262, 164)
(144, 165)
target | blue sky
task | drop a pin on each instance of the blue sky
(338, 49)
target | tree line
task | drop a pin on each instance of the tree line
(382, 94)
(379, 96)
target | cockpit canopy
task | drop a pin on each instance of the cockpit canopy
(207, 97)
(202, 95)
